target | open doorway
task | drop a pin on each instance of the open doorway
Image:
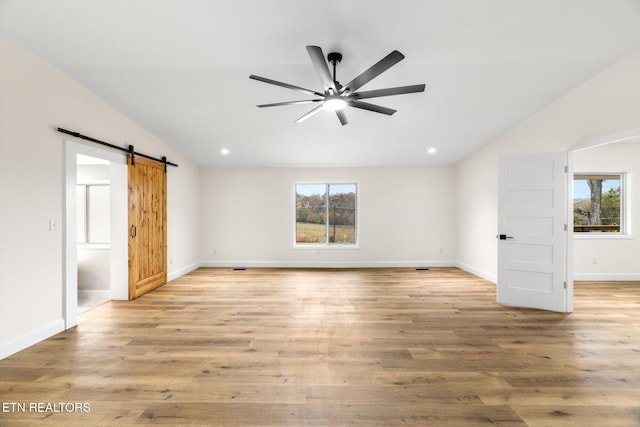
(93, 223)
(95, 258)
(606, 209)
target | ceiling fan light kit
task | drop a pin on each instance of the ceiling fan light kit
(334, 96)
(334, 103)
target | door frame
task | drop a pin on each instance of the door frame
(608, 139)
(119, 249)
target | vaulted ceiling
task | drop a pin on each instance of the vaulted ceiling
(181, 69)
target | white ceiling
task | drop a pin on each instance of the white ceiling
(181, 69)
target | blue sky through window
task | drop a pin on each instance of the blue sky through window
(581, 188)
(319, 189)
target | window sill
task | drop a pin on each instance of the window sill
(602, 236)
(314, 246)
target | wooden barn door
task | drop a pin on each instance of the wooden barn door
(147, 226)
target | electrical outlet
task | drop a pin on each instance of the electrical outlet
(170, 260)
(594, 260)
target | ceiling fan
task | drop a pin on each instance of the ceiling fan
(335, 96)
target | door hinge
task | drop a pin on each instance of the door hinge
(565, 227)
(566, 168)
(564, 284)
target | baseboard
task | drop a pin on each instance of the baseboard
(482, 274)
(383, 264)
(603, 277)
(27, 340)
(96, 293)
(606, 277)
(326, 264)
(182, 271)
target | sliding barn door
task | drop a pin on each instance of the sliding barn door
(147, 226)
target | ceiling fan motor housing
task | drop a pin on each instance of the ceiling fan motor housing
(334, 58)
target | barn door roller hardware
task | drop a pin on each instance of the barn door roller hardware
(129, 149)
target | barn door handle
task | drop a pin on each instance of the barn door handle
(504, 237)
(134, 231)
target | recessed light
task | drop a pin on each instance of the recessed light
(224, 151)
(431, 150)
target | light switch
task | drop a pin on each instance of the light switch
(53, 224)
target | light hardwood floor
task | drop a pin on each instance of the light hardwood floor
(292, 347)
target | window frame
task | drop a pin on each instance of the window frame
(87, 214)
(625, 206)
(327, 244)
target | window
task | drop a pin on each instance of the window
(598, 203)
(326, 214)
(93, 214)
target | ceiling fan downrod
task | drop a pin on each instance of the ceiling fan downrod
(334, 59)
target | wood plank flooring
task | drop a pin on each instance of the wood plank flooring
(294, 347)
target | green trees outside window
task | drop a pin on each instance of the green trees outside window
(597, 203)
(326, 213)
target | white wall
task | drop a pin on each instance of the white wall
(91, 173)
(94, 268)
(405, 217)
(36, 98)
(616, 256)
(608, 104)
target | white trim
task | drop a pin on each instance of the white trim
(325, 246)
(327, 264)
(607, 277)
(482, 274)
(119, 273)
(601, 236)
(94, 181)
(27, 340)
(609, 139)
(172, 275)
(568, 260)
(95, 293)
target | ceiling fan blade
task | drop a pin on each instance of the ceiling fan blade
(374, 71)
(317, 57)
(309, 114)
(287, 85)
(278, 104)
(389, 91)
(342, 116)
(372, 107)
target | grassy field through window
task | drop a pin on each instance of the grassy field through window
(326, 213)
(316, 233)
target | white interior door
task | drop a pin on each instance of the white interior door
(532, 227)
